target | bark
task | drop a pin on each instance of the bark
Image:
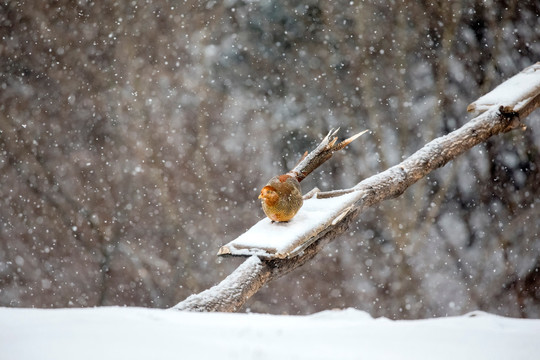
(245, 281)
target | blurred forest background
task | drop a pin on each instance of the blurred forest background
(135, 137)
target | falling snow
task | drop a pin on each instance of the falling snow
(135, 137)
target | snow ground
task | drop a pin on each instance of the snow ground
(138, 333)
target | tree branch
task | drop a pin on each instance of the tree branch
(234, 291)
(321, 154)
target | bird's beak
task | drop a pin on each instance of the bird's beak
(260, 196)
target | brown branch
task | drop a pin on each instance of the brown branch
(235, 290)
(320, 154)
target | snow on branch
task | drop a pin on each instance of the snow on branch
(513, 95)
(500, 116)
(279, 240)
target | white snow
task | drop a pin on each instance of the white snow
(137, 333)
(279, 239)
(515, 92)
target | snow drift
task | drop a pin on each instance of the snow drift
(137, 333)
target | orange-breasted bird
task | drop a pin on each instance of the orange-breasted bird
(281, 198)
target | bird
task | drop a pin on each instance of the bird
(281, 197)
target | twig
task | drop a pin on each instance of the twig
(320, 154)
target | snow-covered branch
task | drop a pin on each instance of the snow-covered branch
(501, 114)
(231, 293)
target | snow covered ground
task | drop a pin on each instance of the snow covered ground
(137, 333)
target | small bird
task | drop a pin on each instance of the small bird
(281, 198)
